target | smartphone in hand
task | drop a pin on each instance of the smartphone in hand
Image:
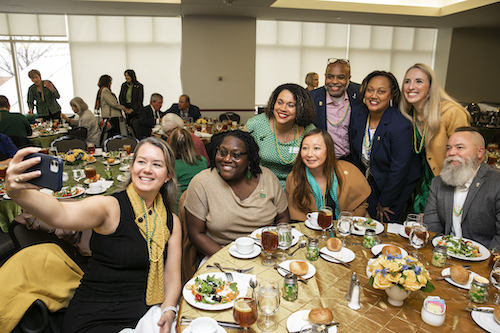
(52, 171)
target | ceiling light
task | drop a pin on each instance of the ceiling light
(228, 2)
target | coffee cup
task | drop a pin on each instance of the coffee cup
(203, 325)
(65, 176)
(313, 218)
(94, 187)
(244, 245)
(98, 152)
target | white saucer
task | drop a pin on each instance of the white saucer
(286, 264)
(236, 254)
(88, 191)
(378, 248)
(446, 271)
(220, 329)
(121, 178)
(314, 226)
(124, 168)
(117, 161)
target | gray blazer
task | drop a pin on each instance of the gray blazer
(481, 212)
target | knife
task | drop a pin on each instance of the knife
(187, 320)
(339, 261)
(289, 272)
(487, 310)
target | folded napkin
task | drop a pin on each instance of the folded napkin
(105, 184)
(202, 134)
(395, 228)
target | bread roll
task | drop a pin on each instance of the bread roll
(334, 244)
(320, 316)
(391, 249)
(111, 160)
(299, 267)
(496, 314)
(459, 274)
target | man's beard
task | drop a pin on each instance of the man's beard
(458, 175)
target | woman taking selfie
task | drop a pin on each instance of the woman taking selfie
(289, 115)
(252, 196)
(136, 241)
(318, 181)
(381, 146)
(435, 116)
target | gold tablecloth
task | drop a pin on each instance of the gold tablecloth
(329, 285)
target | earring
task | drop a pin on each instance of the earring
(249, 174)
(364, 101)
(391, 103)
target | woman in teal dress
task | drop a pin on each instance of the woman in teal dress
(289, 115)
(435, 116)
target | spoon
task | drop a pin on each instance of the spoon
(253, 284)
(302, 244)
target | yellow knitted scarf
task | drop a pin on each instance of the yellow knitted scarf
(152, 224)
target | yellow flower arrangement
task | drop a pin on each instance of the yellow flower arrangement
(76, 156)
(407, 273)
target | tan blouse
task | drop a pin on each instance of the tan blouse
(210, 199)
(352, 196)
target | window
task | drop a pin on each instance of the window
(287, 51)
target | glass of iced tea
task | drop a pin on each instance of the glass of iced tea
(3, 171)
(245, 312)
(127, 148)
(269, 239)
(44, 150)
(90, 171)
(325, 218)
(90, 148)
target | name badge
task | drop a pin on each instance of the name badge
(294, 150)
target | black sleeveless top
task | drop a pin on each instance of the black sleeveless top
(118, 268)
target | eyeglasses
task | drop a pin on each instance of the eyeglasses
(235, 155)
(340, 61)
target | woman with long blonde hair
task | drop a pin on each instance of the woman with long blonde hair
(435, 116)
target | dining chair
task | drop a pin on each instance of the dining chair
(231, 116)
(191, 257)
(68, 142)
(117, 142)
(80, 132)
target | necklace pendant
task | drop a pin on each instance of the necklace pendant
(262, 195)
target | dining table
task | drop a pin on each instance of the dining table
(9, 209)
(330, 283)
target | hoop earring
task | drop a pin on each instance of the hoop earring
(364, 101)
(391, 103)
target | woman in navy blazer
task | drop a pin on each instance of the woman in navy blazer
(381, 146)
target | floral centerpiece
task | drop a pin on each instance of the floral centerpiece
(76, 156)
(407, 274)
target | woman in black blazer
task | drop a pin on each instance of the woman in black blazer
(381, 145)
(131, 95)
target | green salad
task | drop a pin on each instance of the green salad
(459, 247)
(212, 290)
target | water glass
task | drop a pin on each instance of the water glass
(268, 302)
(345, 224)
(284, 238)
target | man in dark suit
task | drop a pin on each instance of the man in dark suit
(464, 200)
(334, 102)
(149, 116)
(184, 109)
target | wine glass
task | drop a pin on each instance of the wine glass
(284, 238)
(325, 218)
(411, 219)
(418, 238)
(245, 312)
(344, 224)
(268, 301)
(269, 242)
(78, 174)
(495, 279)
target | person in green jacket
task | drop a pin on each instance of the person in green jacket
(12, 123)
(42, 95)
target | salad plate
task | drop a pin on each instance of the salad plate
(286, 265)
(485, 320)
(121, 178)
(117, 161)
(361, 223)
(204, 300)
(69, 192)
(446, 271)
(298, 319)
(125, 168)
(295, 235)
(458, 250)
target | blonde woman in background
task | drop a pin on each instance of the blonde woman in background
(435, 116)
(312, 81)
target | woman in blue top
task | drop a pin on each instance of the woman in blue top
(381, 146)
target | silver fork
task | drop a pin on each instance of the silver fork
(229, 276)
(239, 270)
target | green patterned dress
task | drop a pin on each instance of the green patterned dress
(422, 191)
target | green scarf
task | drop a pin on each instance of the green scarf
(316, 191)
